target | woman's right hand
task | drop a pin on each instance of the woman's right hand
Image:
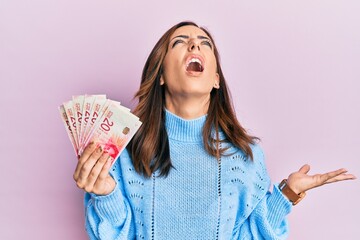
(92, 171)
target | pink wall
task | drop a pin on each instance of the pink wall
(293, 67)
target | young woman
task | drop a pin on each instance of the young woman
(191, 171)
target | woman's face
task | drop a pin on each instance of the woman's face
(189, 67)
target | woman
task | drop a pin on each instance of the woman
(191, 171)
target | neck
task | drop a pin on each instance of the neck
(187, 108)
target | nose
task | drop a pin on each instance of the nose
(193, 45)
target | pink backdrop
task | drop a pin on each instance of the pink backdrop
(293, 67)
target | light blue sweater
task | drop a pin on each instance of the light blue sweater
(202, 198)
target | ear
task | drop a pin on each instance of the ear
(162, 80)
(217, 81)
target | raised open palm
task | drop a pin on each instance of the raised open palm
(301, 181)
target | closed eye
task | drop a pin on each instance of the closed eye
(176, 42)
(207, 43)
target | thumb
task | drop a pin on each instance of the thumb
(305, 169)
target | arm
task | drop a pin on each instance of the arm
(263, 214)
(268, 219)
(108, 217)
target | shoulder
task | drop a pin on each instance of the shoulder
(258, 155)
(257, 150)
(259, 163)
(254, 169)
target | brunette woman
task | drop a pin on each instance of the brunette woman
(191, 171)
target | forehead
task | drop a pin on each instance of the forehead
(191, 31)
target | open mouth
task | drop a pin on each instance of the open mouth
(194, 65)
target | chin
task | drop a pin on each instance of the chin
(200, 92)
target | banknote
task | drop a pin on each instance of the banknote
(68, 106)
(94, 118)
(87, 110)
(99, 108)
(78, 102)
(114, 129)
(67, 127)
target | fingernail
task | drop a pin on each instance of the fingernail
(105, 156)
(99, 150)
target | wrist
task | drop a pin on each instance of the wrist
(293, 196)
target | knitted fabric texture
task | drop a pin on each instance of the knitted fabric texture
(202, 197)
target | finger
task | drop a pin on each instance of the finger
(88, 150)
(103, 174)
(341, 177)
(82, 159)
(305, 169)
(326, 176)
(88, 166)
(94, 174)
(105, 170)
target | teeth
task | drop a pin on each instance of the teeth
(194, 60)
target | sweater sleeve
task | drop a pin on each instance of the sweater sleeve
(268, 220)
(109, 216)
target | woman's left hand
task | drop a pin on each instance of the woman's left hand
(300, 181)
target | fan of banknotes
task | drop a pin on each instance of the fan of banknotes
(94, 118)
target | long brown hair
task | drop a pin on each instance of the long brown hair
(149, 148)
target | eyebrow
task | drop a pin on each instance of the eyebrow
(187, 37)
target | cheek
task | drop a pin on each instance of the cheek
(172, 69)
(211, 62)
(212, 68)
(168, 64)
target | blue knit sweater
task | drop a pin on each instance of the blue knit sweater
(202, 198)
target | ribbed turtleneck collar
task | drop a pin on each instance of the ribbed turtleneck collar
(184, 130)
